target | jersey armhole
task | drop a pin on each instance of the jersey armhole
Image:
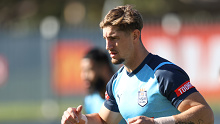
(110, 102)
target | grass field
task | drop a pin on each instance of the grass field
(31, 110)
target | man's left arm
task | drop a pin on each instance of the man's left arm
(194, 110)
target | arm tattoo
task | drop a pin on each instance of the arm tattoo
(200, 121)
(185, 123)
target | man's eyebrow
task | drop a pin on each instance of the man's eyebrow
(110, 37)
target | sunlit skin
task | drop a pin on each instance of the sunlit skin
(124, 47)
(117, 43)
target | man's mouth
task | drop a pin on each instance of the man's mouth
(113, 54)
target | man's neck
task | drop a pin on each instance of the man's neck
(136, 60)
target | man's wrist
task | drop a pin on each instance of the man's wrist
(165, 120)
(84, 118)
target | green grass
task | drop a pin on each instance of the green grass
(16, 111)
(215, 107)
(31, 110)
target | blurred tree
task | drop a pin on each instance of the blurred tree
(33, 11)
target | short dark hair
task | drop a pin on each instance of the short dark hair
(124, 17)
(99, 56)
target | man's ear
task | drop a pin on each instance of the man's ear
(136, 35)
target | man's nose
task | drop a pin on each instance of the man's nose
(108, 45)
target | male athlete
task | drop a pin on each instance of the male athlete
(147, 89)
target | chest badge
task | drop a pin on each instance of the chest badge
(142, 97)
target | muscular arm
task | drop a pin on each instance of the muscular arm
(105, 116)
(194, 110)
(109, 116)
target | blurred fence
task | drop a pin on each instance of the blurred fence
(27, 91)
(29, 56)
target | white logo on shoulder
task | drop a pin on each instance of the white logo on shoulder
(142, 97)
(119, 97)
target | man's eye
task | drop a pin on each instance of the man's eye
(112, 38)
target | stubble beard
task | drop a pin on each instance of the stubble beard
(117, 61)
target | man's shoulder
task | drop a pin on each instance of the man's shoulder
(155, 61)
(117, 74)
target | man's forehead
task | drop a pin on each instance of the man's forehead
(110, 30)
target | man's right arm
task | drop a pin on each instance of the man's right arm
(74, 116)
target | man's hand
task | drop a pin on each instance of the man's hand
(141, 120)
(72, 115)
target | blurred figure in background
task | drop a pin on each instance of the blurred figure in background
(96, 71)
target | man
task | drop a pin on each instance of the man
(147, 89)
(93, 64)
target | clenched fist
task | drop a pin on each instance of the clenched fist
(72, 116)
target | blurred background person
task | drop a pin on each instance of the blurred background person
(96, 71)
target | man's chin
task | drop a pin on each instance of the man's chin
(87, 85)
(117, 61)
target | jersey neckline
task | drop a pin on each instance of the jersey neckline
(146, 60)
